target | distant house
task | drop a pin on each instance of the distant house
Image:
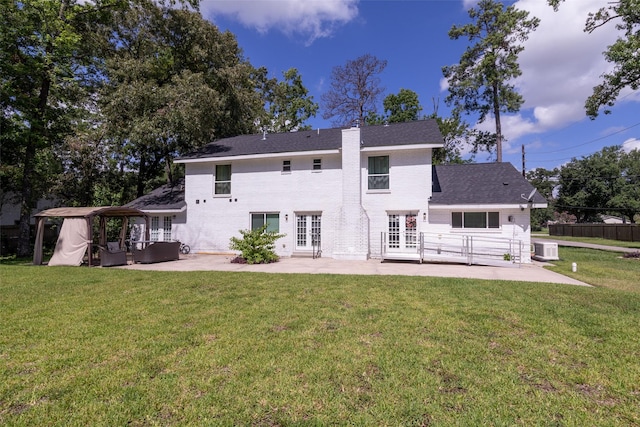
(354, 193)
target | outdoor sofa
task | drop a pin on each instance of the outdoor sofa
(150, 252)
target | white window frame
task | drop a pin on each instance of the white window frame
(158, 233)
(266, 216)
(316, 165)
(220, 191)
(154, 230)
(372, 177)
(166, 228)
(286, 166)
(490, 223)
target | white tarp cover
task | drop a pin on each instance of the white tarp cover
(72, 242)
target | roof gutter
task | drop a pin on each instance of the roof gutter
(435, 206)
(258, 156)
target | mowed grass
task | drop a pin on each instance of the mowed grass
(593, 240)
(109, 347)
(599, 268)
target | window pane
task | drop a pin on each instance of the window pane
(378, 173)
(456, 219)
(394, 231)
(273, 223)
(223, 172)
(155, 228)
(379, 182)
(223, 188)
(475, 220)
(286, 166)
(378, 165)
(302, 230)
(317, 164)
(223, 179)
(316, 229)
(494, 220)
(257, 221)
(166, 227)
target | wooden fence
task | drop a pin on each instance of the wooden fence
(623, 232)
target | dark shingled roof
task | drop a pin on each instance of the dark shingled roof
(480, 183)
(415, 132)
(161, 199)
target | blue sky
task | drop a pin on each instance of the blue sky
(560, 63)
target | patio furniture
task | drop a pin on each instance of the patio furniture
(146, 252)
(112, 255)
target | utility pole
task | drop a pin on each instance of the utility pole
(523, 172)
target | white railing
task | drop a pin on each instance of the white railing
(461, 248)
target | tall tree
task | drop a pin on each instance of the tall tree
(47, 69)
(626, 201)
(623, 53)
(175, 83)
(288, 104)
(606, 181)
(482, 82)
(401, 107)
(355, 90)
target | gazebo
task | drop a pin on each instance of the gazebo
(76, 234)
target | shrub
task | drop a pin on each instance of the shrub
(256, 246)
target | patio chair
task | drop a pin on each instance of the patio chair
(112, 255)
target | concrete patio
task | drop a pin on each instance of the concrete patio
(203, 262)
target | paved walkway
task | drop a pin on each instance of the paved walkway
(584, 245)
(200, 262)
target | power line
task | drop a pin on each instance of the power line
(589, 142)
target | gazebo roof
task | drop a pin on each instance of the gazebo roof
(88, 212)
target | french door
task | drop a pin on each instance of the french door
(402, 232)
(308, 231)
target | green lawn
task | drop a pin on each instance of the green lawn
(599, 268)
(108, 347)
(594, 240)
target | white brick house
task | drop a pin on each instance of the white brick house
(354, 193)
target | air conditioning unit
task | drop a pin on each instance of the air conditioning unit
(545, 251)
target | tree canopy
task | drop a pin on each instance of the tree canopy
(623, 53)
(401, 107)
(482, 82)
(98, 97)
(288, 103)
(174, 84)
(354, 90)
(50, 54)
(605, 182)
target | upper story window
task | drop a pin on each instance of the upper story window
(317, 164)
(286, 166)
(379, 173)
(475, 220)
(223, 179)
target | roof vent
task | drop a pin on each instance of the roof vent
(264, 135)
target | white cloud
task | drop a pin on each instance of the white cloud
(311, 19)
(561, 63)
(631, 144)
